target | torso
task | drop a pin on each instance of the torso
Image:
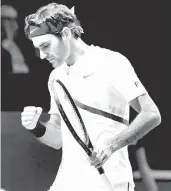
(87, 85)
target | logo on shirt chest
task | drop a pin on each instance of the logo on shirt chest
(87, 75)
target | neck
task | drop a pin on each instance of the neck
(78, 49)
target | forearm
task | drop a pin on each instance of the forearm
(141, 125)
(52, 134)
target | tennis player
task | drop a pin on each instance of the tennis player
(106, 85)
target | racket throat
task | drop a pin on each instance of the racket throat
(89, 145)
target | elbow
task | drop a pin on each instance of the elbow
(57, 146)
(156, 116)
(152, 115)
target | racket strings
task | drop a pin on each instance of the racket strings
(71, 112)
(80, 123)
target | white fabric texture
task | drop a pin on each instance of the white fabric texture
(105, 80)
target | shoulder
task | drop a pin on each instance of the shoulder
(109, 60)
(53, 75)
(58, 72)
(116, 60)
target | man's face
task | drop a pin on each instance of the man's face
(55, 50)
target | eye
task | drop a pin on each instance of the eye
(45, 46)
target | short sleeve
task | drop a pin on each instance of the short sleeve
(53, 106)
(123, 78)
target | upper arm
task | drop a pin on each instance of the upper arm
(124, 79)
(144, 103)
(136, 103)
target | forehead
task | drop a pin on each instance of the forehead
(38, 40)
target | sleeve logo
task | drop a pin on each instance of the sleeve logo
(136, 83)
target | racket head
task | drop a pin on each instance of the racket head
(70, 114)
(72, 117)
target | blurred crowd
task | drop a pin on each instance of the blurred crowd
(23, 74)
(13, 59)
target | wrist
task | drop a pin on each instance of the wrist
(39, 130)
(115, 144)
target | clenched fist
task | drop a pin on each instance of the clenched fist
(30, 116)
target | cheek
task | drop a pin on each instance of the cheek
(63, 50)
(60, 50)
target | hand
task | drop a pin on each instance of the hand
(102, 150)
(30, 116)
(98, 158)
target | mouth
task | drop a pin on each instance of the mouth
(50, 60)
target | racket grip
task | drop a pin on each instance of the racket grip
(100, 170)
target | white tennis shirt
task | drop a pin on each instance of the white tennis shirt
(106, 81)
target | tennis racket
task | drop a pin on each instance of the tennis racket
(74, 122)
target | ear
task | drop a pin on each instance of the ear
(66, 33)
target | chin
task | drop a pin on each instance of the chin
(56, 64)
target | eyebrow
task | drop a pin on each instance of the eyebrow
(40, 45)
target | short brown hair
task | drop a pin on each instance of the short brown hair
(56, 14)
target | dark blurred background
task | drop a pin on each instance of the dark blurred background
(139, 30)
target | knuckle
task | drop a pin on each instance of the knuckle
(26, 123)
(23, 123)
(29, 108)
(22, 118)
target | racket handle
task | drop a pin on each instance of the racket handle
(100, 170)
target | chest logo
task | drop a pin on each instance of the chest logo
(87, 75)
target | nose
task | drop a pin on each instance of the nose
(42, 55)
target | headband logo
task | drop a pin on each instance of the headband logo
(32, 31)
